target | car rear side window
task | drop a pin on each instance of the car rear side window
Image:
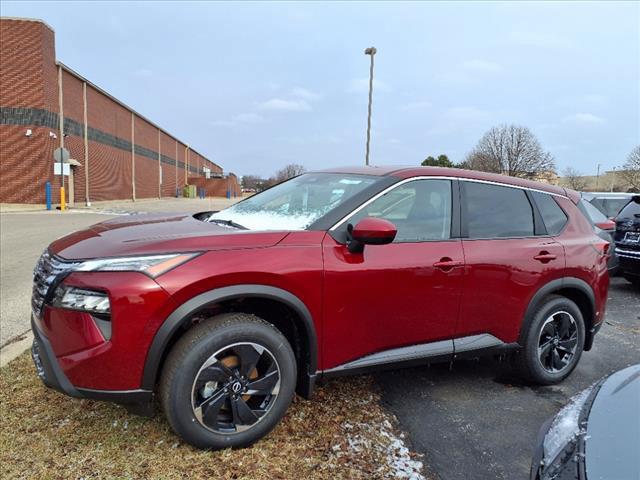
(493, 211)
(553, 216)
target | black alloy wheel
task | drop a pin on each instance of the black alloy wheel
(235, 387)
(558, 342)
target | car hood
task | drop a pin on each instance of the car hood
(157, 233)
(613, 428)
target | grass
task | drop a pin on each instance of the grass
(342, 433)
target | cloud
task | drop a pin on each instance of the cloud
(305, 94)
(482, 66)
(237, 120)
(584, 119)
(418, 105)
(360, 85)
(282, 105)
(539, 39)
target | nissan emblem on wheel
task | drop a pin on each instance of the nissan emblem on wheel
(223, 316)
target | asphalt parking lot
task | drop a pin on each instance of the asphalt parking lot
(478, 421)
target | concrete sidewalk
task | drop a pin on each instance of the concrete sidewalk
(168, 204)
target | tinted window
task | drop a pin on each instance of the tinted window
(631, 210)
(497, 212)
(420, 210)
(609, 206)
(552, 215)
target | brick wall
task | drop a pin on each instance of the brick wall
(27, 53)
(217, 187)
(29, 99)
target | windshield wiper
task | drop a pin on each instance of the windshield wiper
(229, 223)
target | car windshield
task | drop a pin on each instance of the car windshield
(294, 204)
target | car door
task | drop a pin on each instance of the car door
(400, 294)
(509, 255)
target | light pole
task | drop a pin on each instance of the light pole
(369, 51)
(597, 177)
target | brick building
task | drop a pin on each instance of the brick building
(115, 153)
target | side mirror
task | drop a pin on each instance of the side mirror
(370, 231)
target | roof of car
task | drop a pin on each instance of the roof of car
(407, 172)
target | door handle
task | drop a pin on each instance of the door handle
(446, 264)
(545, 257)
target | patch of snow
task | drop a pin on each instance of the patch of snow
(392, 448)
(266, 220)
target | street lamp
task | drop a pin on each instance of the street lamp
(369, 51)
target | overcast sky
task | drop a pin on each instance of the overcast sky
(255, 86)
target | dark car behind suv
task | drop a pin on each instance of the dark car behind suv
(627, 238)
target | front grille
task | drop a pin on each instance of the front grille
(48, 270)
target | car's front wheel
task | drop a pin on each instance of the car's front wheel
(552, 342)
(228, 381)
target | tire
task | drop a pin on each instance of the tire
(556, 326)
(218, 387)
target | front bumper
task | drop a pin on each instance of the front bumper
(629, 260)
(139, 402)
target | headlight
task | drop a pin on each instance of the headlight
(91, 301)
(152, 265)
(565, 426)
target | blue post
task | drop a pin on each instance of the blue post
(47, 194)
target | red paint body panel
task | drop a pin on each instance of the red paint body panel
(149, 234)
(386, 297)
(137, 302)
(500, 279)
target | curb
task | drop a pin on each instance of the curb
(15, 349)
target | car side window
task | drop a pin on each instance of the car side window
(553, 216)
(494, 211)
(420, 210)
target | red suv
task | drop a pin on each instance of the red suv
(223, 315)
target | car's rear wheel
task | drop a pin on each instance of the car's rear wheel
(552, 343)
(228, 381)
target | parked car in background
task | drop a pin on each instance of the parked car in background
(627, 240)
(604, 228)
(596, 435)
(609, 203)
(223, 315)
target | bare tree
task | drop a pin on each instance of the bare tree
(252, 182)
(290, 171)
(511, 150)
(574, 179)
(631, 169)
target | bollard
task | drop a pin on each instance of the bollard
(62, 200)
(47, 194)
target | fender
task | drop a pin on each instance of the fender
(554, 286)
(181, 314)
